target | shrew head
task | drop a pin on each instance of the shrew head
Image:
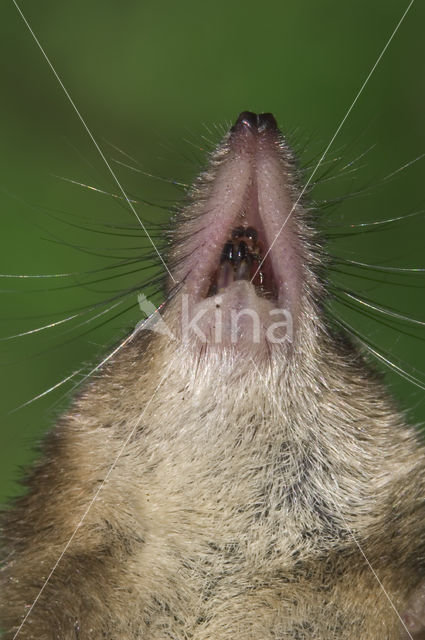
(241, 253)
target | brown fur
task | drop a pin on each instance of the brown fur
(236, 510)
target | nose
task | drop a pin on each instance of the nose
(255, 121)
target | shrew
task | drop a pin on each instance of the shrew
(248, 478)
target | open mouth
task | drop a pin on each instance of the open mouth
(244, 222)
(244, 257)
(239, 237)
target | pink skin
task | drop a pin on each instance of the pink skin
(250, 187)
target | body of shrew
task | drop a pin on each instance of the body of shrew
(258, 475)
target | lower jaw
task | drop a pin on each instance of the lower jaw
(236, 318)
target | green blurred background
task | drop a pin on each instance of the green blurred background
(161, 81)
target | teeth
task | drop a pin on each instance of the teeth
(228, 274)
(243, 271)
(227, 253)
(225, 275)
(239, 260)
(241, 253)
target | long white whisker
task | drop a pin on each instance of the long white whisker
(46, 392)
(386, 361)
(379, 267)
(338, 129)
(92, 188)
(150, 175)
(403, 167)
(380, 309)
(83, 122)
(42, 328)
(122, 344)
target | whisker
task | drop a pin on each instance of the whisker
(46, 392)
(151, 175)
(86, 250)
(370, 315)
(97, 227)
(359, 157)
(338, 176)
(376, 223)
(371, 348)
(140, 327)
(117, 196)
(378, 267)
(52, 325)
(402, 168)
(375, 279)
(379, 309)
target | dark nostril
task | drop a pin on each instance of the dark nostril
(255, 122)
(246, 119)
(266, 121)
